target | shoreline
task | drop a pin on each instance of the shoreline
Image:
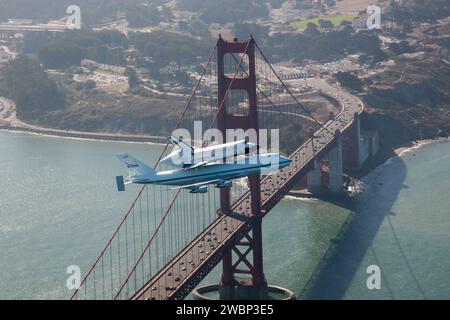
(382, 158)
(389, 152)
(86, 136)
(417, 145)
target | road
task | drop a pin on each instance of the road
(188, 268)
(7, 108)
(9, 121)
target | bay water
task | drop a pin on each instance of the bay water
(59, 205)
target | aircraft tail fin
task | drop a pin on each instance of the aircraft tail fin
(135, 167)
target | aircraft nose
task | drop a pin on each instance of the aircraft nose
(285, 161)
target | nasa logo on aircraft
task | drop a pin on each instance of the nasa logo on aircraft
(130, 166)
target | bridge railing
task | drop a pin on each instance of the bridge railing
(147, 223)
(161, 222)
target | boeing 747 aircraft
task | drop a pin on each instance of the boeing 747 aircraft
(196, 179)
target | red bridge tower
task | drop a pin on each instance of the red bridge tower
(243, 274)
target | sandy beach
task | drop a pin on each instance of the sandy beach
(417, 145)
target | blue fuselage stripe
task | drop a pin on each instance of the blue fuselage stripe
(194, 178)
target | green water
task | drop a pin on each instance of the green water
(410, 198)
(59, 205)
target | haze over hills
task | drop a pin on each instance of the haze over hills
(133, 58)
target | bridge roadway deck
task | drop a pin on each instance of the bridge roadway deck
(190, 266)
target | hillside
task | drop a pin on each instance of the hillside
(413, 87)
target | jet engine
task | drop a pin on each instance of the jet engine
(224, 185)
(202, 189)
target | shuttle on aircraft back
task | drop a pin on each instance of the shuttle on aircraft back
(186, 156)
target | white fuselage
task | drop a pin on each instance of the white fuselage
(185, 157)
(249, 166)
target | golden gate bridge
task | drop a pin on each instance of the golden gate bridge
(169, 240)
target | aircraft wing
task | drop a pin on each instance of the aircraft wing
(197, 185)
(197, 165)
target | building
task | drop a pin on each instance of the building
(91, 64)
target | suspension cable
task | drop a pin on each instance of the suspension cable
(108, 243)
(289, 91)
(142, 189)
(189, 100)
(222, 103)
(148, 244)
(179, 190)
(271, 103)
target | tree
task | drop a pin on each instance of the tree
(90, 85)
(243, 30)
(199, 29)
(182, 78)
(276, 3)
(400, 47)
(223, 12)
(133, 80)
(325, 24)
(164, 47)
(69, 48)
(345, 24)
(349, 80)
(59, 54)
(25, 82)
(311, 29)
(139, 16)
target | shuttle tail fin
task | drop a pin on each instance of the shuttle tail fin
(178, 142)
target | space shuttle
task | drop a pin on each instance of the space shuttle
(186, 156)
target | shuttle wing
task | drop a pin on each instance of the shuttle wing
(197, 165)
